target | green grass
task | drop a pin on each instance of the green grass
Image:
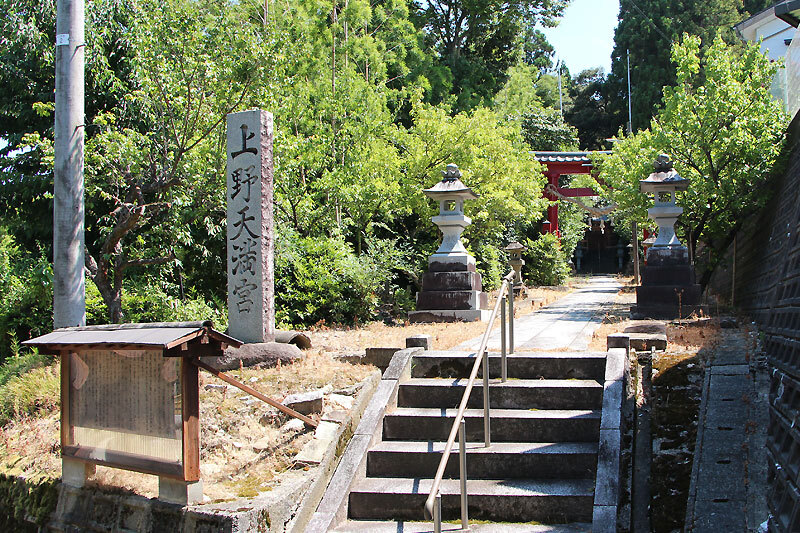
(30, 393)
(18, 365)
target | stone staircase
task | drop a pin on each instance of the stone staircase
(540, 468)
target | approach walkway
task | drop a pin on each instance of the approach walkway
(567, 324)
(728, 486)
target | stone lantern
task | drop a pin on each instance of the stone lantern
(515, 250)
(663, 184)
(451, 193)
(451, 289)
(668, 288)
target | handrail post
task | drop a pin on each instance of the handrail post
(511, 320)
(437, 514)
(503, 372)
(462, 463)
(433, 504)
(486, 431)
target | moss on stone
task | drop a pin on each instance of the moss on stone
(26, 504)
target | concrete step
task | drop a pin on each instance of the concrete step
(379, 526)
(435, 364)
(507, 500)
(507, 425)
(513, 394)
(544, 460)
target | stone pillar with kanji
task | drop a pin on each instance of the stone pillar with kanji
(251, 292)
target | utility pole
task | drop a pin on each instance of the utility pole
(69, 299)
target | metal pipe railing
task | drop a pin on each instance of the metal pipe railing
(433, 505)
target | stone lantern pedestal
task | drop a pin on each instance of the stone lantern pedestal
(451, 288)
(668, 288)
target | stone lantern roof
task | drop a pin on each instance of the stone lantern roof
(451, 186)
(665, 178)
(514, 247)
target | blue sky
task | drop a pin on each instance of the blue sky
(585, 36)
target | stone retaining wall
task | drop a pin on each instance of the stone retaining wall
(767, 286)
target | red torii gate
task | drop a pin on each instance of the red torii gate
(558, 164)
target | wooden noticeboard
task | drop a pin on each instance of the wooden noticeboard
(130, 395)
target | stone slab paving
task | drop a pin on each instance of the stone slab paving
(567, 324)
(728, 482)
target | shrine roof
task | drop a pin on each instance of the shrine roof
(159, 336)
(567, 157)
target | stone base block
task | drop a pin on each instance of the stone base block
(450, 315)
(668, 256)
(465, 280)
(666, 312)
(668, 295)
(380, 357)
(668, 275)
(419, 341)
(180, 492)
(454, 300)
(74, 472)
(451, 263)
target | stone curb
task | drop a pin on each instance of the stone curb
(332, 510)
(609, 452)
(688, 522)
(332, 455)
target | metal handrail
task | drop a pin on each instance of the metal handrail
(433, 503)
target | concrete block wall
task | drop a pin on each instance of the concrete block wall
(767, 286)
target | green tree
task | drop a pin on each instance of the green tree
(478, 41)
(27, 74)
(591, 109)
(544, 130)
(647, 29)
(147, 153)
(722, 130)
(519, 101)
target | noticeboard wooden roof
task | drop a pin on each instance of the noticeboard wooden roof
(171, 337)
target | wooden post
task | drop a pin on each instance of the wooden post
(190, 413)
(66, 427)
(635, 233)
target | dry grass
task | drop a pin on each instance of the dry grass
(693, 335)
(443, 335)
(244, 447)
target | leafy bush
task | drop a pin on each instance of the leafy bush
(492, 264)
(26, 282)
(30, 393)
(322, 280)
(148, 302)
(545, 262)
